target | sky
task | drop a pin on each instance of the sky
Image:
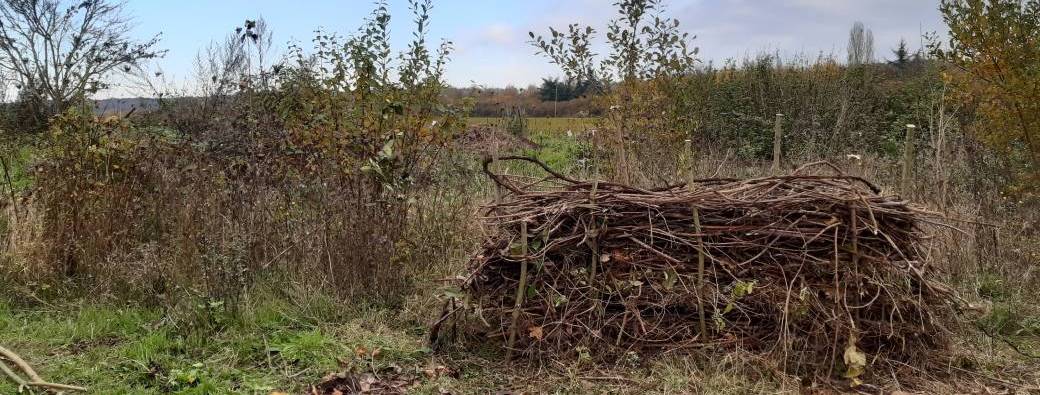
(490, 36)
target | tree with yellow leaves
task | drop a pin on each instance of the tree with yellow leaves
(994, 58)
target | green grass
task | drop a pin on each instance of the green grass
(559, 151)
(18, 159)
(274, 345)
(554, 146)
(268, 346)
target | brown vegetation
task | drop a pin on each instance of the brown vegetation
(770, 264)
(349, 173)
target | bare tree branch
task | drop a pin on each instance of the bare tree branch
(62, 51)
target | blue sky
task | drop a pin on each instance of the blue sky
(490, 36)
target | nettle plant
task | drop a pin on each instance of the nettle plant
(356, 103)
(638, 80)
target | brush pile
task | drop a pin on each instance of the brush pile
(819, 270)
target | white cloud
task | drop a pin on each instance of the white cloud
(498, 34)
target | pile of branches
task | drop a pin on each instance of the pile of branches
(821, 271)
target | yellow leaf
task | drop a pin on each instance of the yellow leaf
(855, 360)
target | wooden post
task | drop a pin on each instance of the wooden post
(908, 160)
(702, 321)
(521, 290)
(777, 137)
(494, 163)
(687, 165)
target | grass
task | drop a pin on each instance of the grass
(275, 345)
(268, 346)
(554, 146)
(18, 157)
(286, 340)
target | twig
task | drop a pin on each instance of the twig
(20, 363)
(34, 378)
(14, 376)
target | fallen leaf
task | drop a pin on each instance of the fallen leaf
(670, 277)
(855, 361)
(535, 332)
(430, 373)
(436, 371)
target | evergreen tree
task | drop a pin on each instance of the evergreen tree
(902, 55)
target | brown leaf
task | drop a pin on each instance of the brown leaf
(434, 372)
(430, 373)
(535, 332)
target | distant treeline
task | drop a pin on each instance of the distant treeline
(826, 104)
(493, 102)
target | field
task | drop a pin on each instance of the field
(540, 125)
(285, 339)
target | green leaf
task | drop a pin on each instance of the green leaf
(559, 300)
(535, 245)
(741, 288)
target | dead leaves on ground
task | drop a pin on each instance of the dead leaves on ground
(391, 380)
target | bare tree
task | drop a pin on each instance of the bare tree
(861, 45)
(60, 51)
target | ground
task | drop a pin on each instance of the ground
(288, 340)
(276, 346)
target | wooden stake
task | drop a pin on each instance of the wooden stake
(687, 163)
(494, 161)
(777, 137)
(521, 290)
(908, 160)
(700, 270)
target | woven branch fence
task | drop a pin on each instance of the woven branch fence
(821, 272)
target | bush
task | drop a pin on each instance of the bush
(343, 191)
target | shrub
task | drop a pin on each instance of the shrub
(332, 193)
